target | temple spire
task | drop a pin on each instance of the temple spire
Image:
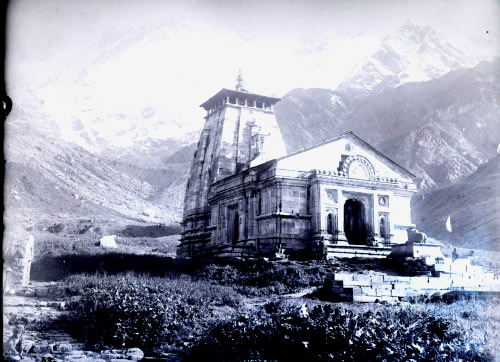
(240, 85)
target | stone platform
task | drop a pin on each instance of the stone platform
(417, 250)
(452, 275)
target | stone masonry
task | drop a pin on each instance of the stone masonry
(450, 275)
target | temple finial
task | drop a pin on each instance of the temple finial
(240, 85)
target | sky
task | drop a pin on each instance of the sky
(90, 59)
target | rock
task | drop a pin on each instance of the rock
(28, 345)
(111, 354)
(18, 255)
(108, 241)
(13, 346)
(63, 347)
(27, 292)
(41, 348)
(42, 292)
(134, 354)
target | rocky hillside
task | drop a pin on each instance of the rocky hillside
(441, 129)
(48, 180)
(472, 204)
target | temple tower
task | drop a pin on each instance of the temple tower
(240, 131)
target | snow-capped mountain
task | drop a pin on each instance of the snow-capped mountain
(441, 129)
(411, 54)
(119, 98)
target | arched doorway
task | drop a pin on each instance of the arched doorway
(233, 224)
(355, 227)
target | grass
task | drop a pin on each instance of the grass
(48, 245)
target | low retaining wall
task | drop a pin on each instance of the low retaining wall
(394, 288)
(357, 251)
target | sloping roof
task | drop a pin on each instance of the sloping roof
(224, 92)
(357, 138)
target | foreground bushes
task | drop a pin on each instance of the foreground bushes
(334, 333)
(144, 312)
(195, 316)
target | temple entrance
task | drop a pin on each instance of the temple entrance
(233, 224)
(355, 226)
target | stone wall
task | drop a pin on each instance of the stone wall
(457, 275)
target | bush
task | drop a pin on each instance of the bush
(283, 332)
(144, 312)
(265, 278)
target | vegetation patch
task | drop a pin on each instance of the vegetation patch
(238, 310)
(151, 231)
(329, 332)
(152, 314)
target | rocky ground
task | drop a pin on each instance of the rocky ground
(38, 312)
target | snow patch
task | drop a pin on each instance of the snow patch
(336, 99)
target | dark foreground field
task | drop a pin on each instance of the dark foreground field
(251, 310)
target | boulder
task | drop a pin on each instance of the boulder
(108, 241)
(18, 249)
(134, 354)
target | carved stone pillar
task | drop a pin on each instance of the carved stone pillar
(341, 234)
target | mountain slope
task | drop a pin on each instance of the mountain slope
(472, 204)
(440, 129)
(48, 179)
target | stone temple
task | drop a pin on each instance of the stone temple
(246, 197)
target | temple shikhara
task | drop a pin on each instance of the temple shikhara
(246, 197)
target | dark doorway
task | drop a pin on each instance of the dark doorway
(233, 224)
(355, 227)
(383, 227)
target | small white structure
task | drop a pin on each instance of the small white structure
(108, 242)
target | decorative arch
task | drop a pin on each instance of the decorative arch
(358, 165)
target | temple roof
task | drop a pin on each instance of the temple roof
(224, 92)
(352, 135)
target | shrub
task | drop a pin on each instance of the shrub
(283, 332)
(144, 312)
(259, 277)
